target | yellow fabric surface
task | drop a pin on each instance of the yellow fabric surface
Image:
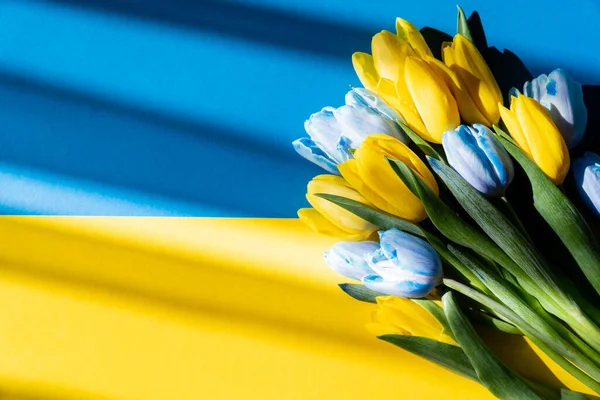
(175, 308)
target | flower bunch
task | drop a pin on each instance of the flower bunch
(424, 155)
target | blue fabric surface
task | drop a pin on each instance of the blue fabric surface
(131, 107)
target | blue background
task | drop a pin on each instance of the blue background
(131, 107)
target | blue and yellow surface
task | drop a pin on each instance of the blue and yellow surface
(124, 121)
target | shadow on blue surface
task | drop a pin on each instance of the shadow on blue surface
(77, 135)
(250, 22)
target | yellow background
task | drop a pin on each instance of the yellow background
(175, 308)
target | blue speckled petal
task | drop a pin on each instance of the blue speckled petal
(496, 154)
(470, 161)
(343, 147)
(536, 88)
(308, 149)
(513, 92)
(408, 253)
(348, 258)
(586, 170)
(359, 122)
(365, 98)
(563, 97)
(406, 289)
(324, 129)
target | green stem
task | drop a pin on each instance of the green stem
(554, 341)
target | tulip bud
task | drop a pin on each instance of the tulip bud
(563, 98)
(398, 316)
(531, 127)
(476, 154)
(464, 60)
(348, 258)
(404, 266)
(333, 132)
(587, 175)
(370, 173)
(330, 219)
(399, 75)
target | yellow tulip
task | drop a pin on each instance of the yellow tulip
(399, 316)
(330, 219)
(532, 128)
(409, 33)
(474, 87)
(398, 74)
(370, 173)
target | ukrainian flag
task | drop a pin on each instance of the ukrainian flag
(149, 245)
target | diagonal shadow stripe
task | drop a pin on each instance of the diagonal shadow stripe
(128, 146)
(249, 22)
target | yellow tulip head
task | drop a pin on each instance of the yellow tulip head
(399, 316)
(330, 219)
(480, 91)
(370, 173)
(532, 128)
(398, 74)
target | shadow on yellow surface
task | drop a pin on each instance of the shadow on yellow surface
(164, 308)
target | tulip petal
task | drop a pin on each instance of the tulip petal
(323, 128)
(365, 70)
(496, 154)
(468, 109)
(349, 171)
(514, 127)
(465, 59)
(365, 98)
(547, 145)
(432, 98)
(409, 315)
(348, 258)
(563, 97)
(308, 149)
(471, 163)
(409, 33)
(536, 88)
(389, 53)
(410, 253)
(393, 149)
(359, 122)
(406, 288)
(318, 223)
(586, 170)
(342, 218)
(398, 97)
(374, 169)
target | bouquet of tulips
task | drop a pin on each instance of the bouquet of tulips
(453, 210)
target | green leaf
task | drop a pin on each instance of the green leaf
(514, 310)
(492, 322)
(376, 217)
(405, 174)
(446, 355)
(499, 379)
(360, 292)
(462, 26)
(451, 225)
(561, 215)
(437, 312)
(534, 274)
(420, 142)
(566, 394)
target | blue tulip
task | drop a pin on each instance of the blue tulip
(403, 265)
(563, 97)
(348, 258)
(476, 154)
(334, 131)
(587, 175)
